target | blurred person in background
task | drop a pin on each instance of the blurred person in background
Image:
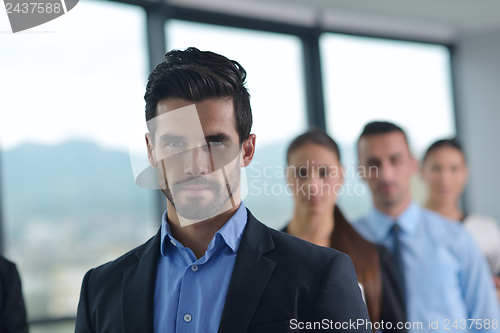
(12, 310)
(442, 273)
(313, 163)
(444, 169)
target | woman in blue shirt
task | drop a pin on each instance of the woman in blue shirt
(444, 168)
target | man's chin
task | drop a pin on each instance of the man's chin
(197, 215)
(198, 209)
(390, 200)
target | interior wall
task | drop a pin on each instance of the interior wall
(477, 74)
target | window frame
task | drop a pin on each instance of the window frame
(158, 13)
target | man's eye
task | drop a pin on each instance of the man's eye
(436, 168)
(174, 144)
(216, 144)
(395, 161)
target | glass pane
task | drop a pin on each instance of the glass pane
(69, 89)
(275, 82)
(369, 79)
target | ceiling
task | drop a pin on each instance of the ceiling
(443, 21)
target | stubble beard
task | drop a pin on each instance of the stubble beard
(392, 201)
(195, 209)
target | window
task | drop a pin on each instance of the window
(275, 81)
(72, 110)
(69, 201)
(367, 79)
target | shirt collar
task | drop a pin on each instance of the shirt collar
(408, 220)
(230, 232)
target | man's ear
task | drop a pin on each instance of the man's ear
(247, 150)
(151, 150)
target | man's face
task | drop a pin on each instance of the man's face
(196, 153)
(387, 166)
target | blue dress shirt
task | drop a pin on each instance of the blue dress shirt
(190, 293)
(446, 275)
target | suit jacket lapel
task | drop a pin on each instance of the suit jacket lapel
(138, 289)
(250, 276)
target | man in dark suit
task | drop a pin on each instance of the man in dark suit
(212, 267)
(12, 310)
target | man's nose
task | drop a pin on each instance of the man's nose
(386, 171)
(197, 161)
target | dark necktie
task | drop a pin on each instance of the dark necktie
(398, 258)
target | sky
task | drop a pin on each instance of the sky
(83, 76)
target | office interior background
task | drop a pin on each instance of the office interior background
(72, 113)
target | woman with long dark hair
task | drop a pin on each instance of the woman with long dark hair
(316, 176)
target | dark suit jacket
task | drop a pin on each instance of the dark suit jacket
(276, 278)
(12, 310)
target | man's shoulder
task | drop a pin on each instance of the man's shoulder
(295, 246)
(116, 267)
(7, 268)
(301, 259)
(6, 263)
(443, 225)
(364, 226)
(361, 222)
(450, 233)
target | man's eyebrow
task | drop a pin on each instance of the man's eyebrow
(213, 137)
(377, 159)
(372, 159)
(395, 155)
(218, 137)
(170, 137)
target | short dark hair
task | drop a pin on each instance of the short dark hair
(452, 143)
(195, 75)
(316, 136)
(381, 127)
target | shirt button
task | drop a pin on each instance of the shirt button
(187, 318)
(173, 242)
(194, 268)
